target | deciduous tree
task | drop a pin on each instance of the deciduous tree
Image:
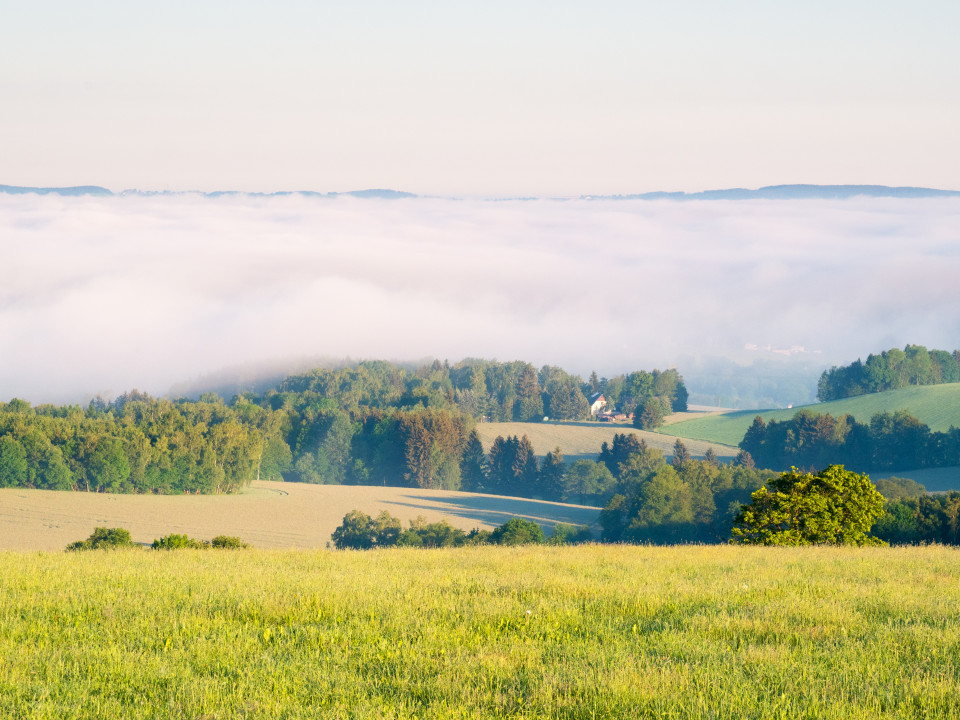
(835, 507)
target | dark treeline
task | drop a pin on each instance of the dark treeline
(375, 423)
(890, 441)
(892, 369)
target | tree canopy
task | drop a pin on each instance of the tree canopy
(832, 507)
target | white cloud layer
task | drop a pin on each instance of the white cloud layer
(107, 294)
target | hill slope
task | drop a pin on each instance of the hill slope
(267, 515)
(936, 405)
(583, 439)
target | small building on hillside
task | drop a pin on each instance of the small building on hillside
(597, 403)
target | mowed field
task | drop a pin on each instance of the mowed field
(266, 515)
(936, 405)
(583, 439)
(482, 632)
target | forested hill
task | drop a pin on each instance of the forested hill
(890, 370)
(374, 423)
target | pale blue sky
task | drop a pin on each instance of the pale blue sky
(492, 98)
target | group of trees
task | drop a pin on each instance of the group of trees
(134, 444)
(482, 389)
(479, 389)
(837, 506)
(890, 441)
(921, 518)
(891, 369)
(685, 500)
(374, 423)
(359, 531)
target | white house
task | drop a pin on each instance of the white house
(597, 403)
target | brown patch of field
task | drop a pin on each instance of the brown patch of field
(583, 439)
(268, 514)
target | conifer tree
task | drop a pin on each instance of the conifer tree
(473, 465)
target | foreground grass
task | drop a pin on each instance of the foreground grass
(572, 632)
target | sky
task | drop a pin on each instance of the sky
(479, 99)
(461, 103)
(102, 295)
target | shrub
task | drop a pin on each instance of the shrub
(104, 538)
(178, 542)
(517, 531)
(567, 534)
(228, 542)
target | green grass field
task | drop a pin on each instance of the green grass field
(936, 405)
(531, 632)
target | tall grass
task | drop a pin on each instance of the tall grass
(571, 632)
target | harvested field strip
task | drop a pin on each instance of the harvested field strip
(267, 515)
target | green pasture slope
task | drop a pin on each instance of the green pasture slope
(482, 632)
(936, 405)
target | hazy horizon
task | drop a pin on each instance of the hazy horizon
(114, 293)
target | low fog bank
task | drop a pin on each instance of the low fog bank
(101, 295)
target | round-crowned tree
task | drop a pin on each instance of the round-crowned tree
(832, 507)
(517, 531)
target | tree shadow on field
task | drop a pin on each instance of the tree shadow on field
(496, 511)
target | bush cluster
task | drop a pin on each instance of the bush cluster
(359, 531)
(104, 538)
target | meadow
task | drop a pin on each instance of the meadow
(482, 632)
(582, 440)
(938, 406)
(266, 514)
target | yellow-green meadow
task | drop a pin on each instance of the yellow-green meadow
(478, 632)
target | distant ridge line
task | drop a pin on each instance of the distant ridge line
(770, 192)
(68, 191)
(790, 192)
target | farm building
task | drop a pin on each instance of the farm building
(597, 403)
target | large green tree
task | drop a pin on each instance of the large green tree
(832, 507)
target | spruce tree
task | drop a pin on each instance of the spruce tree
(552, 472)
(473, 465)
(680, 454)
